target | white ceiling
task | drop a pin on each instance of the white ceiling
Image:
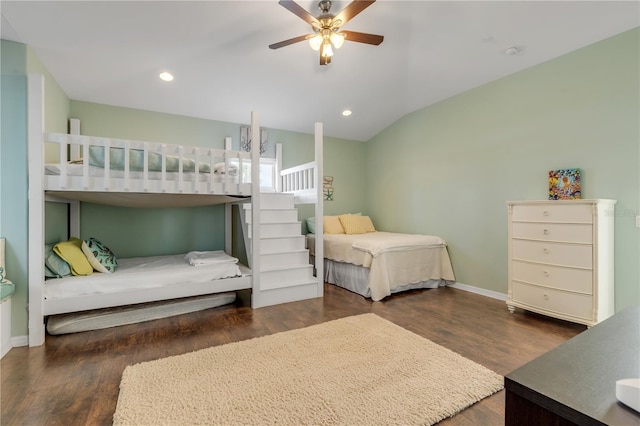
(112, 52)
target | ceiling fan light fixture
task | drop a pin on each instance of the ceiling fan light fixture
(337, 39)
(327, 34)
(327, 51)
(315, 42)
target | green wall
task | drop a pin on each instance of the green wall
(466, 156)
(18, 60)
(13, 175)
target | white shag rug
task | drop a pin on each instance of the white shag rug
(359, 370)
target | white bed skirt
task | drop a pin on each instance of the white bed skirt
(356, 279)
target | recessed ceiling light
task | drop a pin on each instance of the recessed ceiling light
(346, 112)
(512, 51)
(166, 76)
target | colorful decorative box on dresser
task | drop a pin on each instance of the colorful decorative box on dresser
(561, 259)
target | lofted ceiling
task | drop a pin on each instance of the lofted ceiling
(111, 52)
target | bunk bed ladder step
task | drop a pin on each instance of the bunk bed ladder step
(286, 274)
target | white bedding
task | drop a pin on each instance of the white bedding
(53, 169)
(140, 273)
(199, 258)
(394, 259)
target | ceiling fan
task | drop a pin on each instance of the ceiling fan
(326, 28)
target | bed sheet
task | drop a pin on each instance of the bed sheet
(394, 259)
(140, 273)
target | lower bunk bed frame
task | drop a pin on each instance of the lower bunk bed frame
(300, 182)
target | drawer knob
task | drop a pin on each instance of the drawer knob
(545, 273)
(545, 232)
(545, 250)
(545, 213)
(545, 296)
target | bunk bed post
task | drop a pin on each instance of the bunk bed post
(278, 167)
(35, 131)
(74, 149)
(255, 210)
(318, 178)
(228, 210)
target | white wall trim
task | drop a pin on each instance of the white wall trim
(481, 291)
(18, 341)
(14, 342)
(5, 321)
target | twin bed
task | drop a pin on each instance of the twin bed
(377, 264)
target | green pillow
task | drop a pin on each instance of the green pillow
(99, 256)
(54, 265)
(311, 225)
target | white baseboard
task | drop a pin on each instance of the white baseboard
(478, 290)
(18, 341)
(14, 343)
(5, 350)
(5, 326)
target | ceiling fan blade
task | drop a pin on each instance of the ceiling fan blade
(298, 10)
(288, 42)
(362, 37)
(352, 10)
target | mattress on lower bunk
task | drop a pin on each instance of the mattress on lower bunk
(112, 317)
(53, 169)
(141, 273)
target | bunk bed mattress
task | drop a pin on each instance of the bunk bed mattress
(394, 261)
(140, 273)
(53, 169)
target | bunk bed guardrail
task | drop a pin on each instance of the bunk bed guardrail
(135, 166)
(301, 181)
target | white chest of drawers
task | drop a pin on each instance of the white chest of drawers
(561, 259)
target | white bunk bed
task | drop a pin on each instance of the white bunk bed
(201, 176)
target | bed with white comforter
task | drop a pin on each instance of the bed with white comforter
(377, 264)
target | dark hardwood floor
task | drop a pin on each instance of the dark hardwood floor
(73, 379)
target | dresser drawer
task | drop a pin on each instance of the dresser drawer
(557, 301)
(570, 279)
(565, 232)
(577, 255)
(563, 211)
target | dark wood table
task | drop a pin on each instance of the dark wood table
(575, 384)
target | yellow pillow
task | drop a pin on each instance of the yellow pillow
(365, 221)
(71, 252)
(332, 225)
(352, 224)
